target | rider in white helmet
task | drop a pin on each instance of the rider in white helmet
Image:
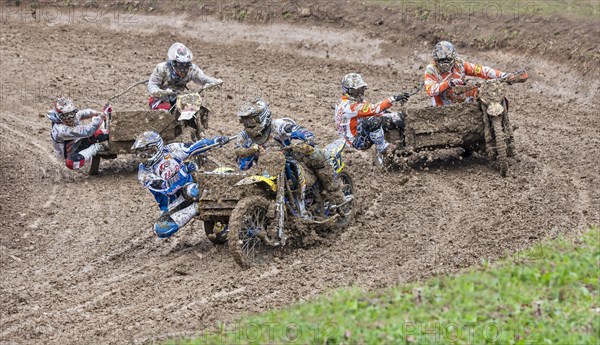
(448, 70)
(173, 75)
(73, 142)
(363, 124)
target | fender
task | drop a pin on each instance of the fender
(186, 115)
(334, 152)
(256, 179)
(495, 109)
(188, 105)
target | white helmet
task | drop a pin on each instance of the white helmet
(66, 110)
(354, 86)
(444, 55)
(255, 116)
(179, 59)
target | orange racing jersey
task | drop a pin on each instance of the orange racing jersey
(349, 113)
(437, 84)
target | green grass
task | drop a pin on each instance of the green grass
(545, 295)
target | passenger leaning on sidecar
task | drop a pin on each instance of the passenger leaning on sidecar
(448, 70)
(255, 116)
(173, 75)
(73, 142)
(168, 177)
(363, 124)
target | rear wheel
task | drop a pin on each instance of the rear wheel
(501, 147)
(216, 231)
(248, 223)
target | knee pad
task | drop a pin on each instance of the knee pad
(190, 192)
(394, 121)
(373, 123)
(165, 227)
(75, 161)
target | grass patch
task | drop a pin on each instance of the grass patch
(545, 295)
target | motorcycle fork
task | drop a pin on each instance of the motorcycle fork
(487, 132)
(280, 207)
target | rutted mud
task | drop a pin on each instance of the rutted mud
(79, 260)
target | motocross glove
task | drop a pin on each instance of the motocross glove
(221, 140)
(310, 141)
(455, 82)
(192, 166)
(403, 98)
(107, 109)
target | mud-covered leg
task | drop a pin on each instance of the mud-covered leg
(317, 162)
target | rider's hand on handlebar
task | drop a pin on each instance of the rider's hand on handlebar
(310, 141)
(107, 109)
(403, 98)
(221, 140)
(169, 92)
(192, 166)
(456, 82)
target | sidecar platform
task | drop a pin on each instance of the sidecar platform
(459, 125)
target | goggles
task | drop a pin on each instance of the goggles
(69, 116)
(145, 153)
(444, 61)
(182, 66)
(249, 121)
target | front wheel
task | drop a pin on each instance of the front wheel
(501, 148)
(248, 227)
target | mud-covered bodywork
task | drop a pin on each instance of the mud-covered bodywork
(219, 193)
(457, 125)
(439, 132)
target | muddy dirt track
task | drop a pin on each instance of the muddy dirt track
(79, 262)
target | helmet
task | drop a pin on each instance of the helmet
(66, 110)
(256, 118)
(354, 86)
(149, 146)
(444, 54)
(179, 60)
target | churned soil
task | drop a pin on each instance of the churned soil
(79, 261)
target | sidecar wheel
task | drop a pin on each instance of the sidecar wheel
(501, 148)
(248, 221)
(216, 231)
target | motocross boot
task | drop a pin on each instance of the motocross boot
(333, 189)
(387, 154)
